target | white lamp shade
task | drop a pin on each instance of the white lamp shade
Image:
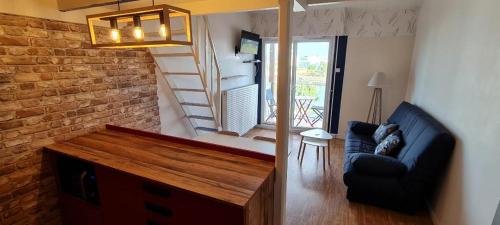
(378, 80)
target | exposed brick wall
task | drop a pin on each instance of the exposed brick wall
(54, 86)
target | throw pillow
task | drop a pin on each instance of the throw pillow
(383, 131)
(390, 145)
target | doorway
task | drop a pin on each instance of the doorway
(312, 84)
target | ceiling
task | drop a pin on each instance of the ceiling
(49, 8)
(225, 6)
(195, 6)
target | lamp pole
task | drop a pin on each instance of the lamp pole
(377, 81)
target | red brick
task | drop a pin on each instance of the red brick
(35, 129)
(14, 41)
(11, 20)
(78, 28)
(29, 112)
(53, 25)
(7, 97)
(45, 42)
(27, 77)
(12, 60)
(40, 51)
(33, 32)
(18, 51)
(7, 170)
(75, 52)
(59, 52)
(27, 86)
(10, 106)
(5, 116)
(69, 90)
(29, 94)
(73, 36)
(10, 125)
(45, 69)
(14, 31)
(35, 23)
(84, 111)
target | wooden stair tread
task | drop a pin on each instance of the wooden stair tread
(188, 89)
(180, 74)
(206, 129)
(187, 54)
(195, 104)
(201, 117)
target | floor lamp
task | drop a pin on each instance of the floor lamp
(375, 112)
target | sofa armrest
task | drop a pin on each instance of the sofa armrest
(359, 127)
(377, 165)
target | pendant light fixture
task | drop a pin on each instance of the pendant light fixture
(139, 36)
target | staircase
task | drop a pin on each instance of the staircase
(193, 74)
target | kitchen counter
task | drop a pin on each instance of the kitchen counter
(234, 177)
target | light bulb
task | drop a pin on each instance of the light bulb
(115, 35)
(163, 31)
(138, 33)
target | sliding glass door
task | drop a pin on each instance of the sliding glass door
(311, 65)
(310, 79)
(269, 81)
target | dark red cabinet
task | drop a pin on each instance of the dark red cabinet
(129, 200)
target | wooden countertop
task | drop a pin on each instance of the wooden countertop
(227, 174)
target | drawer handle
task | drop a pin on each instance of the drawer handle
(156, 190)
(152, 222)
(82, 185)
(158, 209)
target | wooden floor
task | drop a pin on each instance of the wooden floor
(317, 197)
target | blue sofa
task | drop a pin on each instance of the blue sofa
(403, 181)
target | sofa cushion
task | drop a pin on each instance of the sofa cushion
(355, 143)
(383, 131)
(391, 145)
(377, 165)
(363, 128)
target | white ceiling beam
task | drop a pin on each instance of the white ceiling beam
(300, 5)
(319, 2)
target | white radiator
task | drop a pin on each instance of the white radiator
(239, 109)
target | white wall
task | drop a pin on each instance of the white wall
(366, 55)
(456, 78)
(226, 32)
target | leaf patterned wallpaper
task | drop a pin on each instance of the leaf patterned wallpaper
(333, 22)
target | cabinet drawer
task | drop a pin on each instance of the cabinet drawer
(168, 206)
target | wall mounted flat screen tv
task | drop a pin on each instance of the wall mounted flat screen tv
(249, 43)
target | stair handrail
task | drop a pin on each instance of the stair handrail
(215, 62)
